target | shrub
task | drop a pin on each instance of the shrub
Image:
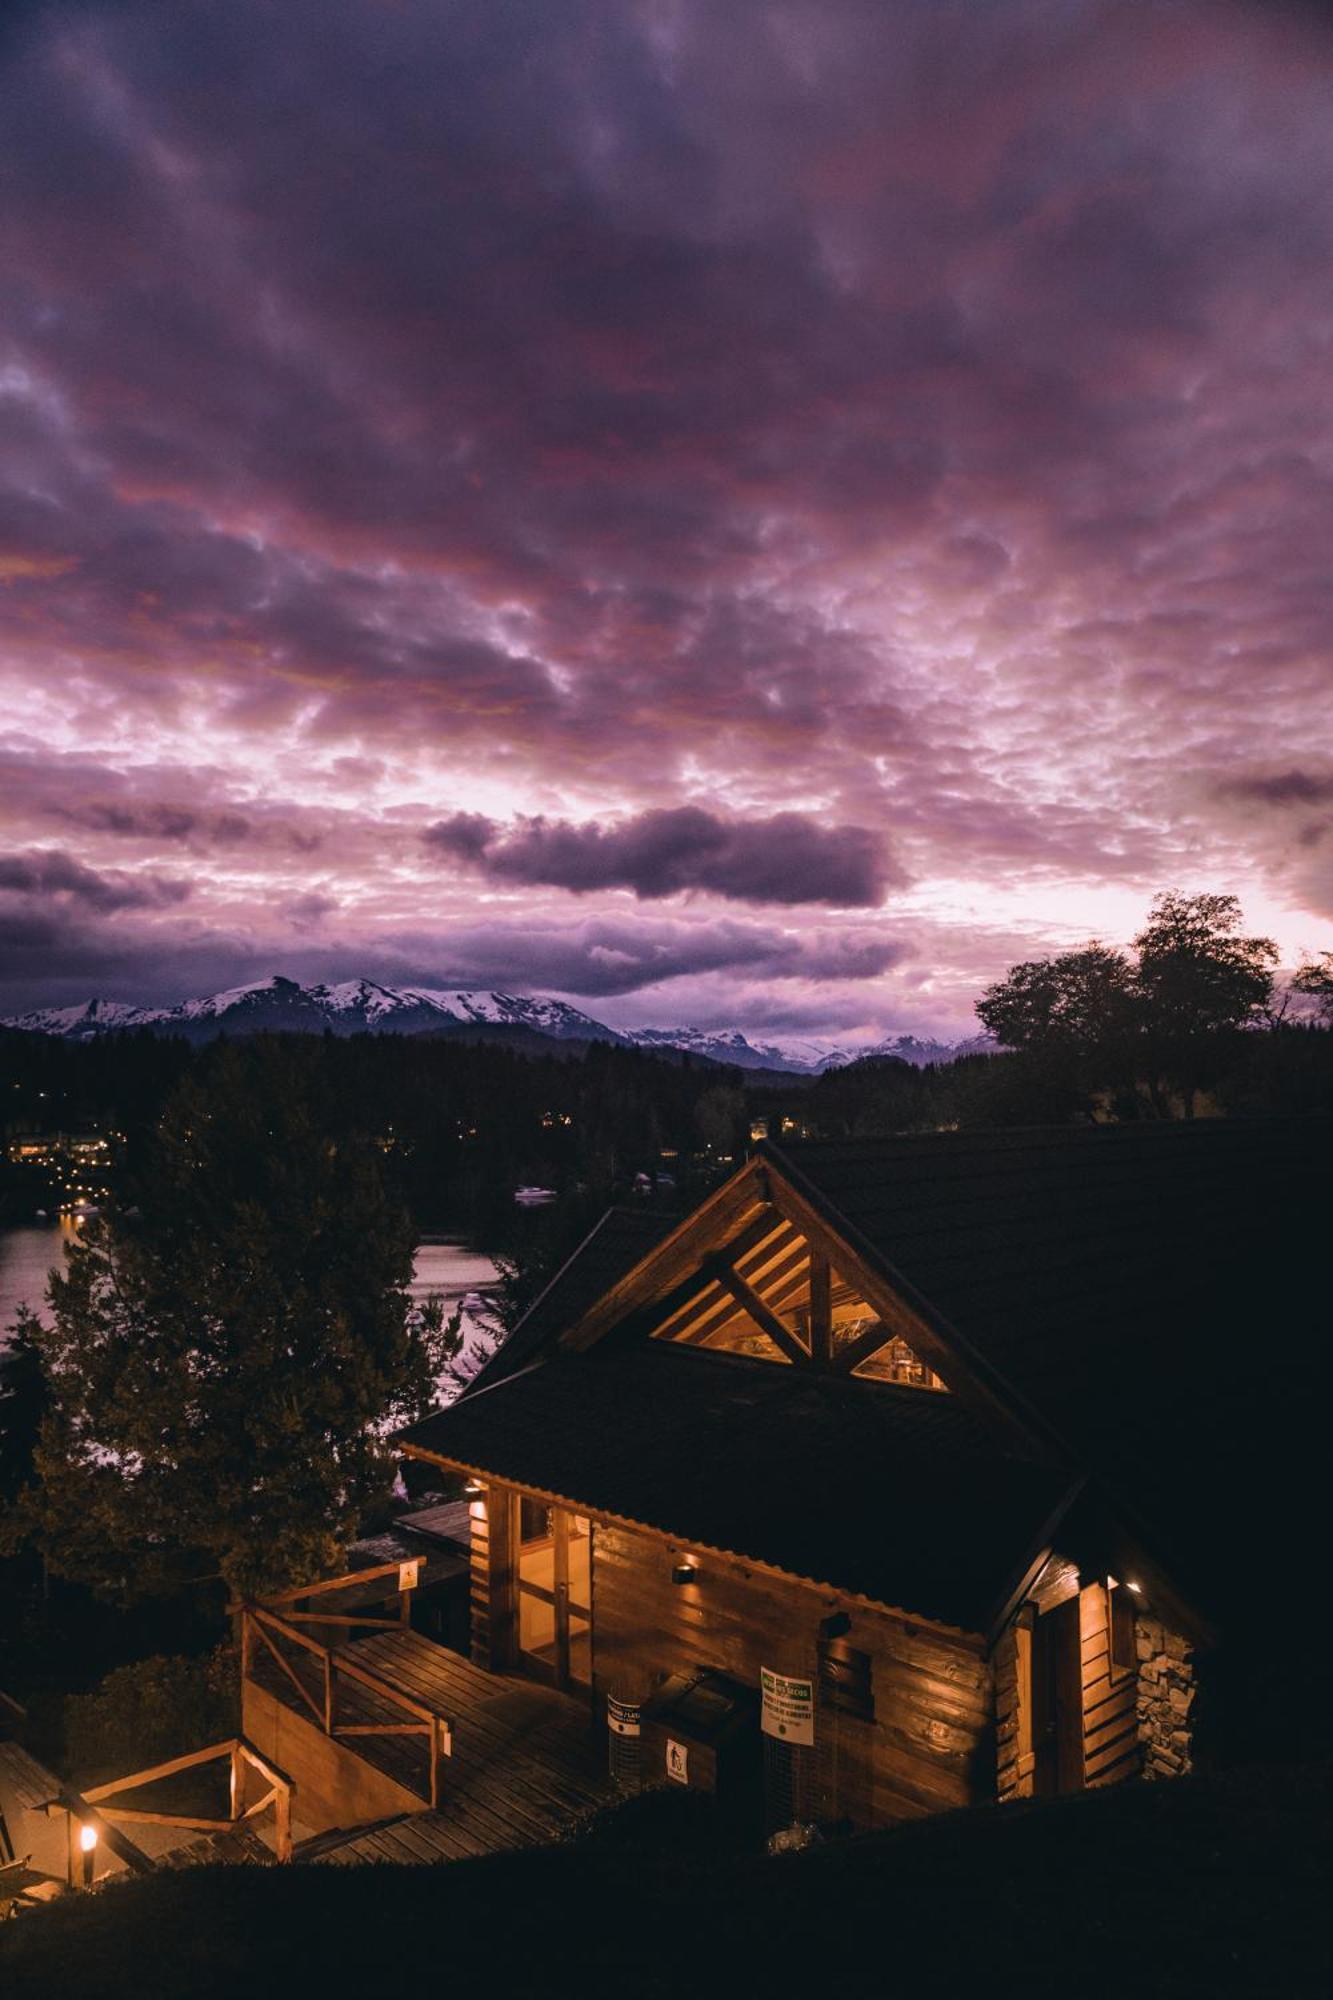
(148, 1712)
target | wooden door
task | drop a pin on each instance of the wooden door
(1057, 1700)
(554, 1593)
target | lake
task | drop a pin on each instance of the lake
(462, 1277)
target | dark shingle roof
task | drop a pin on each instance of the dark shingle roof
(1158, 1293)
(610, 1249)
(1086, 1263)
(896, 1494)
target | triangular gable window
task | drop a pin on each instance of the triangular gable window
(768, 1296)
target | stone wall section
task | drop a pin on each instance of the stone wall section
(1165, 1697)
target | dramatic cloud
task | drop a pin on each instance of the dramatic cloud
(785, 859)
(464, 468)
(52, 875)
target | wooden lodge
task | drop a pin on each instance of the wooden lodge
(901, 1475)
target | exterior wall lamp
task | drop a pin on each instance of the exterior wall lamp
(684, 1572)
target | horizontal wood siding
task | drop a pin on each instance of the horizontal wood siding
(928, 1746)
(1110, 1724)
(492, 1579)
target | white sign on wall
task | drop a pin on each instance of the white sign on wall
(789, 1707)
(678, 1762)
(408, 1573)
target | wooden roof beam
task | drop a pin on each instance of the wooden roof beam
(692, 1333)
(663, 1268)
(768, 1322)
(749, 1240)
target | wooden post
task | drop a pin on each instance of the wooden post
(282, 1823)
(247, 1641)
(821, 1311)
(328, 1693)
(237, 1782)
(434, 1742)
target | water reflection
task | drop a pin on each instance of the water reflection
(462, 1277)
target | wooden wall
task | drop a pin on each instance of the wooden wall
(1110, 1722)
(332, 1786)
(1109, 1691)
(929, 1746)
(492, 1580)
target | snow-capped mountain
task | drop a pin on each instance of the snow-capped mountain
(730, 1046)
(806, 1058)
(352, 1007)
(919, 1051)
(363, 1006)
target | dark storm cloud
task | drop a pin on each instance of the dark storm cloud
(52, 874)
(1284, 788)
(785, 859)
(606, 957)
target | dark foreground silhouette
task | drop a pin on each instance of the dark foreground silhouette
(1206, 1886)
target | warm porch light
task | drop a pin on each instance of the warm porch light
(1137, 1588)
(684, 1572)
(87, 1837)
(473, 1489)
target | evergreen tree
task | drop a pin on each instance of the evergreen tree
(227, 1355)
(23, 1405)
(1314, 981)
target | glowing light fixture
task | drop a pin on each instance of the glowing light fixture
(87, 1836)
(685, 1572)
(1137, 1588)
(474, 1489)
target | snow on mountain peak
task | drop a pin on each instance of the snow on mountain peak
(363, 1006)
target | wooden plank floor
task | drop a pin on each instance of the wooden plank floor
(524, 1761)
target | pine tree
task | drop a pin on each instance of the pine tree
(228, 1353)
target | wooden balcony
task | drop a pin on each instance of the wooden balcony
(387, 1724)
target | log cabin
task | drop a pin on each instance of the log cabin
(904, 1474)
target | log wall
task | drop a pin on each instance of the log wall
(929, 1745)
(1135, 1712)
(1110, 1723)
(491, 1580)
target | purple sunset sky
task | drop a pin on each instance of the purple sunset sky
(749, 514)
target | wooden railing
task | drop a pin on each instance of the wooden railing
(273, 1627)
(241, 1754)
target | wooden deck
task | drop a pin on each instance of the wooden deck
(524, 1761)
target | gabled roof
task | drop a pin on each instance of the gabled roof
(1157, 1294)
(1081, 1264)
(892, 1494)
(1143, 1303)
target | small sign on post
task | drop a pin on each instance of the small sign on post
(622, 1716)
(788, 1707)
(408, 1573)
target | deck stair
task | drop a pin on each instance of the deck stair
(522, 1760)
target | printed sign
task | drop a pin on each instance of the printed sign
(678, 1762)
(622, 1716)
(789, 1707)
(407, 1573)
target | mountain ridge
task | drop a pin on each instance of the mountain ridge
(365, 1006)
